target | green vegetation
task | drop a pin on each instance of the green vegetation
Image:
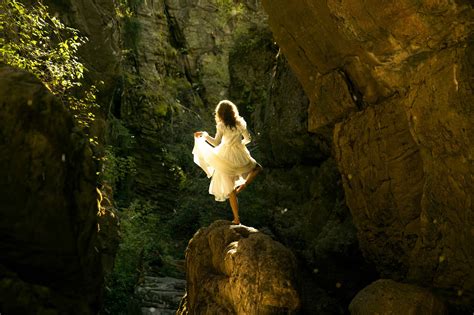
(126, 10)
(33, 40)
(144, 245)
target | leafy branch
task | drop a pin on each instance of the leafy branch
(34, 40)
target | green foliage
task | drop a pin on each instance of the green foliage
(33, 40)
(116, 168)
(145, 243)
(137, 232)
(229, 9)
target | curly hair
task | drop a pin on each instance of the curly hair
(227, 113)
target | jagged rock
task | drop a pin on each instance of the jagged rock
(391, 298)
(234, 269)
(51, 261)
(405, 145)
(208, 31)
(160, 295)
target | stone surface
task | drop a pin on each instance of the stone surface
(52, 259)
(160, 295)
(281, 122)
(405, 146)
(234, 269)
(390, 298)
(383, 178)
(332, 100)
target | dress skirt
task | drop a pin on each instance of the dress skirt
(226, 164)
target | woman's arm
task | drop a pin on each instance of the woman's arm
(247, 137)
(214, 141)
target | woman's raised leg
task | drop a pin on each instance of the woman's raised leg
(250, 177)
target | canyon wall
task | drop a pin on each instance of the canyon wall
(394, 81)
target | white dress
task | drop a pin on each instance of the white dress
(227, 161)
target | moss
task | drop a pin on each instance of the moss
(132, 28)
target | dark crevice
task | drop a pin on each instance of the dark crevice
(356, 94)
(178, 41)
(177, 38)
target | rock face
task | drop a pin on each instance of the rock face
(237, 270)
(389, 297)
(394, 79)
(52, 254)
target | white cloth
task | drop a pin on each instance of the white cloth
(227, 160)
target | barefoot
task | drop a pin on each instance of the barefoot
(236, 221)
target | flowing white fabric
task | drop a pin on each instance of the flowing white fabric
(227, 160)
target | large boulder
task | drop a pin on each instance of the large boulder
(401, 78)
(52, 259)
(234, 269)
(388, 297)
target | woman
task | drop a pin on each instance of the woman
(225, 157)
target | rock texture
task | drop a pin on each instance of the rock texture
(160, 295)
(234, 269)
(390, 298)
(52, 258)
(395, 79)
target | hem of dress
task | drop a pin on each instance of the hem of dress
(221, 199)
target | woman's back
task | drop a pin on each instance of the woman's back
(231, 136)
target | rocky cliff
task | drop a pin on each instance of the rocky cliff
(175, 71)
(54, 253)
(394, 81)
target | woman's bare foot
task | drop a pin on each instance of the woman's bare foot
(236, 221)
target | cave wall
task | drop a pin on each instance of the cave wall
(53, 254)
(397, 79)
